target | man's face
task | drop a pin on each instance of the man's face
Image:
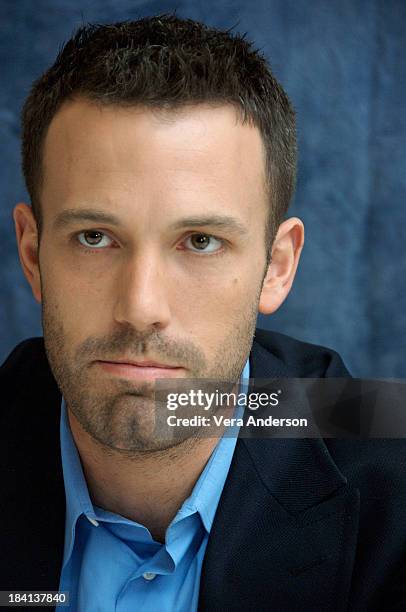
(174, 276)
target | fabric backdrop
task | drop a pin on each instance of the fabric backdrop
(343, 64)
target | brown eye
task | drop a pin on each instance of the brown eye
(92, 238)
(204, 243)
(200, 241)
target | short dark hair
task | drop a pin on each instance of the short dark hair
(166, 62)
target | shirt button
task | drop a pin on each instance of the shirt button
(148, 575)
(93, 521)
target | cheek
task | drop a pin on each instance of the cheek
(79, 301)
(214, 307)
(205, 293)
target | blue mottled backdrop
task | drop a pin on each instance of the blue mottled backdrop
(343, 64)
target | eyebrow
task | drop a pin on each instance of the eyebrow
(75, 215)
(224, 222)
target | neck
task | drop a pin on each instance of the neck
(146, 488)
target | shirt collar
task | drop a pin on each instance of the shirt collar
(77, 494)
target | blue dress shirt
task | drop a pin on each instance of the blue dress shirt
(111, 563)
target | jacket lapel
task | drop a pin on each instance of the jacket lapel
(284, 535)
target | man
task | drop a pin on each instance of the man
(160, 158)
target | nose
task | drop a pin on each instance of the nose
(141, 295)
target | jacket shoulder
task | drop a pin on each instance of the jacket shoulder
(300, 359)
(26, 377)
(28, 350)
(26, 360)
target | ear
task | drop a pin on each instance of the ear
(27, 243)
(281, 271)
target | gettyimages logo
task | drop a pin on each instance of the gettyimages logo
(209, 400)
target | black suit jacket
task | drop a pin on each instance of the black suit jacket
(302, 524)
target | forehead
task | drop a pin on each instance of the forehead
(195, 151)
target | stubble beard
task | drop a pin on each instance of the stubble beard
(118, 413)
